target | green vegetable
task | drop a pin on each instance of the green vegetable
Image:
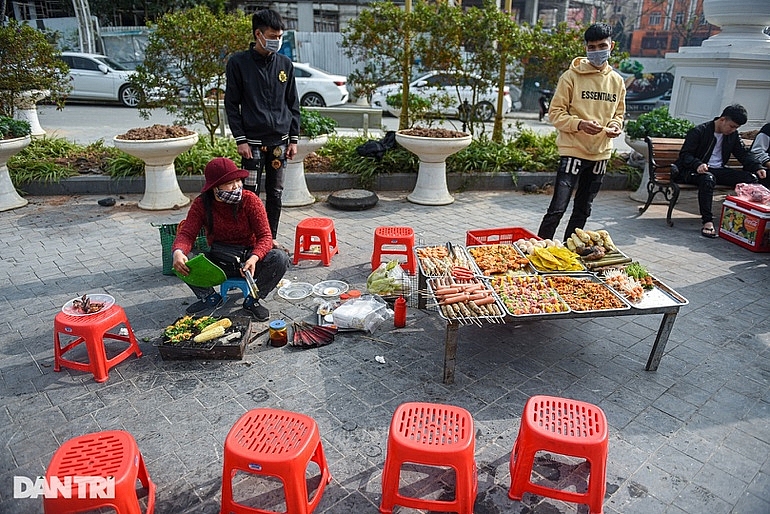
(636, 270)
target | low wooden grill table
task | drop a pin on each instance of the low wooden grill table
(669, 313)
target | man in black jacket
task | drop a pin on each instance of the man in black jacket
(263, 110)
(704, 153)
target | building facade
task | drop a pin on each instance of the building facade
(665, 25)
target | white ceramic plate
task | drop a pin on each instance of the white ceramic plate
(330, 288)
(296, 291)
(106, 299)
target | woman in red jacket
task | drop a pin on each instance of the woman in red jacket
(234, 219)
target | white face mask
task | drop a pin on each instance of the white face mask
(272, 45)
(598, 57)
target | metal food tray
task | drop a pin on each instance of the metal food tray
(527, 270)
(458, 249)
(567, 310)
(593, 278)
(608, 258)
(468, 320)
(552, 272)
(660, 296)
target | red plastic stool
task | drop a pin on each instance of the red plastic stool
(101, 455)
(434, 435)
(566, 427)
(315, 231)
(385, 238)
(275, 443)
(92, 330)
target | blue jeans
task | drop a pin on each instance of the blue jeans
(272, 161)
(579, 175)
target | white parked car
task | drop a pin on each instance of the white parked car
(97, 77)
(440, 85)
(315, 87)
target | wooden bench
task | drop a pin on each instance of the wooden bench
(663, 152)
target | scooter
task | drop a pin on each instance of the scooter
(544, 101)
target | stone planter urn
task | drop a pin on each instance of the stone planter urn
(26, 109)
(741, 22)
(295, 191)
(9, 198)
(431, 187)
(161, 188)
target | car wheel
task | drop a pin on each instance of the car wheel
(312, 100)
(483, 111)
(129, 95)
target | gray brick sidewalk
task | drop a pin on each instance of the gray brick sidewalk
(692, 437)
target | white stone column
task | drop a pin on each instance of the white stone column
(730, 67)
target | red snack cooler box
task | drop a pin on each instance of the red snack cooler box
(497, 236)
(745, 224)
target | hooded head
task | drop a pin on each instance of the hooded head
(221, 170)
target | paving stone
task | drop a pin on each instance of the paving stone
(690, 438)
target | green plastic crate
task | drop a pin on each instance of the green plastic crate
(167, 236)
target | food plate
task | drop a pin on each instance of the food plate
(587, 293)
(467, 311)
(330, 288)
(500, 259)
(437, 261)
(70, 309)
(296, 291)
(659, 296)
(528, 295)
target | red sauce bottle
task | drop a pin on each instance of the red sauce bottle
(399, 312)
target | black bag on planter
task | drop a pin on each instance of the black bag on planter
(228, 257)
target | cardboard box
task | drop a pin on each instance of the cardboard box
(745, 223)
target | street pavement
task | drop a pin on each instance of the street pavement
(692, 437)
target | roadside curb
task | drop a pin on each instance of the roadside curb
(104, 185)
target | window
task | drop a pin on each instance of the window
(655, 18)
(81, 63)
(679, 18)
(326, 21)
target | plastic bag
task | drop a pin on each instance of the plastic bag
(364, 313)
(756, 193)
(388, 279)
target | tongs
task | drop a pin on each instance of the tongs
(451, 249)
(253, 289)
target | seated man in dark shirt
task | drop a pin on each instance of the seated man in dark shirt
(704, 153)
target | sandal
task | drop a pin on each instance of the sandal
(709, 232)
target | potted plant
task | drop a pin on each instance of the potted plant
(32, 70)
(158, 146)
(14, 136)
(656, 123)
(313, 130)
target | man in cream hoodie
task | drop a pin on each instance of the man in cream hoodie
(587, 109)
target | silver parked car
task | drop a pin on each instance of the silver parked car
(440, 86)
(97, 77)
